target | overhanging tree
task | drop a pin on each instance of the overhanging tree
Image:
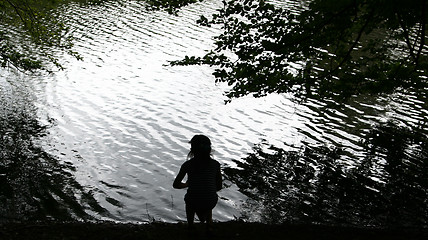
(32, 32)
(326, 48)
(29, 32)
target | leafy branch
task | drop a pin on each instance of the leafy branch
(328, 49)
(32, 30)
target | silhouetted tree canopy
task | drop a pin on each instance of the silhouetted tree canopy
(319, 48)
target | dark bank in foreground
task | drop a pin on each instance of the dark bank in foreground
(222, 230)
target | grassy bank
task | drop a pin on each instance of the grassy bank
(224, 230)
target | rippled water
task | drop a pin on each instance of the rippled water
(124, 119)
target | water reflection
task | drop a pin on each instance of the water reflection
(34, 184)
(387, 187)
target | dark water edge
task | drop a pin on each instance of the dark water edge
(222, 230)
(386, 187)
(35, 185)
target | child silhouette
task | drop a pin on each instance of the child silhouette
(204, 179)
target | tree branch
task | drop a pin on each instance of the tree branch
(351, 48)
(406, 37)
(17, 10)
(423, 22)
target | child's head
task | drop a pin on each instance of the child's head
(200, 146)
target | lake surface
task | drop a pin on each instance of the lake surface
(123, 118)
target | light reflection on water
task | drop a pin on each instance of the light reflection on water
(124, 119)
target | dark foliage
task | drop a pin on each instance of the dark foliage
(320, 48)
(31, 32)
(388, 187)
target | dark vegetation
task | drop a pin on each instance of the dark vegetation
(32, 33)
(318, 49)
(386, 187)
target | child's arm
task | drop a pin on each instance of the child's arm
(177, 182)
(219, 180)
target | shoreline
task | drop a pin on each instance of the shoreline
(222, 230)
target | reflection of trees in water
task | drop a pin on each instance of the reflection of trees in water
(35, 185)
(389, 186)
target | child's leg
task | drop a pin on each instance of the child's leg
(190, 214)
(205, 216)
(202, 215)
(209, 217)
(209, 222)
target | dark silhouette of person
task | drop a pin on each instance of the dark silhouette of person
(204, 179)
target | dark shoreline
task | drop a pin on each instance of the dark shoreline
(222, 230)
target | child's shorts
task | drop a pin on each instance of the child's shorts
(200, 204)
